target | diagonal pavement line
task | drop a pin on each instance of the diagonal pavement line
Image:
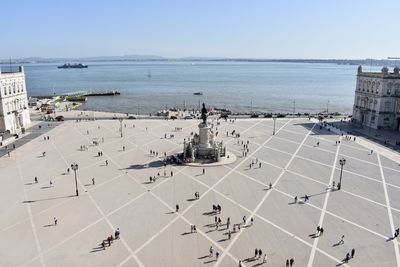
(78, 232)
(169, 140)
(166, 203)
(259, 216)
(358, 148)
(344, 191)
(62, 202)
(321, 219)
(267, 194)
(311, 179)
(347, 171)
(134, 253)
(330, 213)
(152, 238)
(28, 207)
(181, 215)
(396, 247)
(84, 168)
(62, 242)
(102, 213)
(338, 217)
(287, 140)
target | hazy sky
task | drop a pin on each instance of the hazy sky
(220, 28)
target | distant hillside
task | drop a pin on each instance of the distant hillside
(374, 62)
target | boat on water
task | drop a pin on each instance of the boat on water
(198, 93)
(72, 66)
(102, 93)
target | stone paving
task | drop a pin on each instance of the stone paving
(366, 211)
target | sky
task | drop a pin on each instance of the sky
(353, 29)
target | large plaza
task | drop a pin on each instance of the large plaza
(300, 159)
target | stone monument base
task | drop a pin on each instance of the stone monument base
(228, 159)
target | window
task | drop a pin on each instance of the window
(5, 90)
(373, 119)
(377, 87)
(389, 91)
(9, 90)
(387, 106)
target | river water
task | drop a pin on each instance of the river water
(239, 86)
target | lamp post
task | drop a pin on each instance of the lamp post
(74, 167)
(120, 122)
(342, 162)
(274, 118)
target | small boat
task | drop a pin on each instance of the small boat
(198, 93)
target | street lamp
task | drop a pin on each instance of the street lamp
(342, 162)
(274, 118)
(120, 122)
(74, 167)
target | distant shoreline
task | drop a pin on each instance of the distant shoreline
(372, 62)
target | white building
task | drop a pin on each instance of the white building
(377, 99)
(14, 111)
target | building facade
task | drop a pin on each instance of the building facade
(14, 111)
(377, 99)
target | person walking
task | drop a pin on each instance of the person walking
(117, 233)
(259, 253)
(106, 162)
(264, 258)
(211, 250)
(352, 253)
(55, 221)
(287, 263)
(255, 253)
(216, 255)
(36, 180)
(321, 231)
(93, 182)
(396, 233)
(291, 262)
(177, 207)
(341, 240)
(347, 257)
(204, 171)
(229, 234)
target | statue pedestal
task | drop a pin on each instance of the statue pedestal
(204, 136)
